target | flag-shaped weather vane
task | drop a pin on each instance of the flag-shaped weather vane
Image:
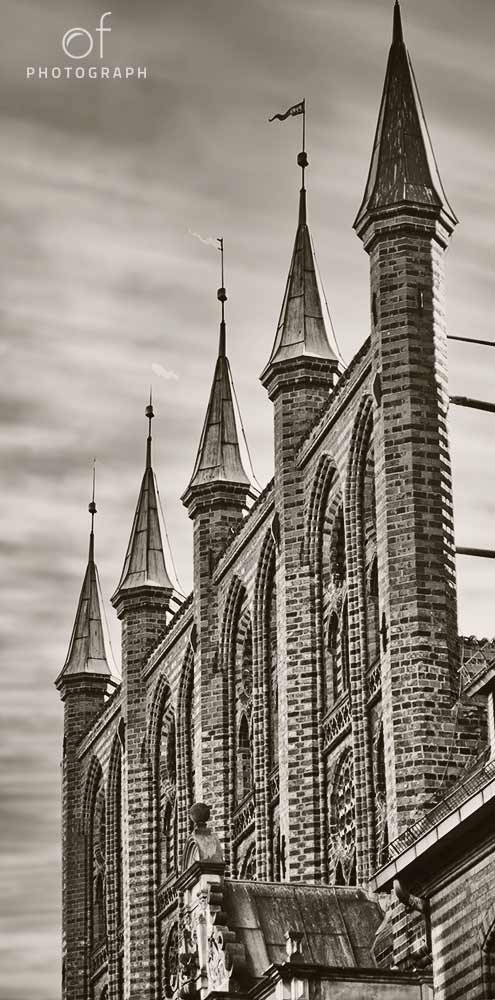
(296, 109)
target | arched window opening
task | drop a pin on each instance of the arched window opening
(331, 662)
(335, 679)
(248, 867)
(337, 550)
(98, 873)
(170, 960)
(247, 659)
(342, 848)
(273, 676)
(373, 615)
(381, 826)
(244, 763)
(344, 648)
(117, 833)
(99, 922)
(167, 794)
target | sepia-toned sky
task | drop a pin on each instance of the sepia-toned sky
(104, 289)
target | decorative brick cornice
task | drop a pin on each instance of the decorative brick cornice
(214, 496)
(296, 372)
(110, 711)
(397, 220)
(178, 624)
(247, 528)
(346, 387)
(145, 598)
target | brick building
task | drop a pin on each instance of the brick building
(311, 690)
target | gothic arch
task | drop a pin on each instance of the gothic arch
(95, 829)
(238, 664)
(325, 474)
(94, 777)
(342, 813)
(361, 443)
(327, 551)
(162, 692)
(265, 702)
(163, 756)
(185, 746)
(115, 896)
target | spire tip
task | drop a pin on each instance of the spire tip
(398, 36)
(222, 297)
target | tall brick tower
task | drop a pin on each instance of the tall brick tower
(215, 499)
(299, 375)
(143, 603)
(405, 223)
(83, 683)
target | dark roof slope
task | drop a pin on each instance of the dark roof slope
(338, 923)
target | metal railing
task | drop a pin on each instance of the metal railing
(478, 779)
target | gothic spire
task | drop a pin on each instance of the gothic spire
(87, 653)
(219, 457)
(144, 564)
(403, 170)
(301, 328)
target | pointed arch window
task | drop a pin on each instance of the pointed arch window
(344, 677)
(98, 870)
(243, 693)
(373, 614)
(273, 670)
(167, 794)
(342, 807)
(244, 762)
(248, 867)
(380, 786)
(334, 600)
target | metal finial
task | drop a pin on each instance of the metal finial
(149, 413)
(222, 297)
(302, 160)
(92, 504)
(92, 511)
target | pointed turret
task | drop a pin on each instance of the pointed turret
(405, 223)
(219, 457)
(144, 565)
(83, 683)
(403, 170)
(87, 653)
(299, 379)
(301, 330)
(216, 499)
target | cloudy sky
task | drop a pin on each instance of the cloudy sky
(103, 289)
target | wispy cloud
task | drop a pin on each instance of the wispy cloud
(208, 241)
(166, 373)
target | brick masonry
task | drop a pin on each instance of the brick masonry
(308, 690)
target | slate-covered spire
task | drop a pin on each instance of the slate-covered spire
(144, 565)
(403, 170)
(301, 330)
(219, 458)
(87, 653)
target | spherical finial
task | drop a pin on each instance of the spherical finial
(92, 507)
(222, 295)
(149, 411)
(302, 159)
(200, 814)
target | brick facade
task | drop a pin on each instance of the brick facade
(309, 688)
